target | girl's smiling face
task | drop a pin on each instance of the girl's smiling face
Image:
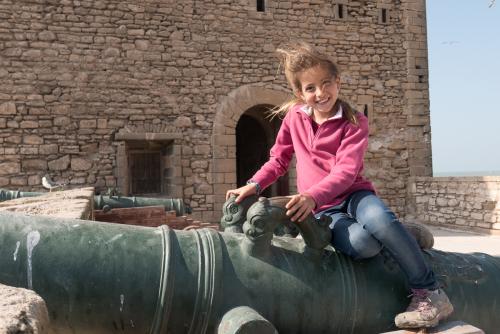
(319, 89)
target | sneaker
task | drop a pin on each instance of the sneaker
(421, 233)
(426, 309)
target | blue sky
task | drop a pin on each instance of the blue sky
(464, 79)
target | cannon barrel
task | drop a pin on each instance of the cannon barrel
(134, 201)
(112, 202)
(7, 195)
(103, 278)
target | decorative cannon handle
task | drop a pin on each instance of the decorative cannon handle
(268, 213)
(234, 214)
(316, 232)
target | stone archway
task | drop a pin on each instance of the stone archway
(231, 108)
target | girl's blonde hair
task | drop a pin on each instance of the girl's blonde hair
(300, 56)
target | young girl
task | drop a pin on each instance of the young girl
(329, 140)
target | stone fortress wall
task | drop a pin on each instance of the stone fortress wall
(470, 203)
(90, 90)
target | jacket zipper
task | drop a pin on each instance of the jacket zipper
(316, 135)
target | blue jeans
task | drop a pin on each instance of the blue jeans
(362, 226)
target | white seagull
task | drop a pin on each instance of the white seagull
(47, 183)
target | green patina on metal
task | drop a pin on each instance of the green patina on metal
(104, 278)
(244, 320)
(111, 202)
(234, 214)
(130, 202)
(7, 195)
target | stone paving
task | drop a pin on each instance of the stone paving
(465, 242)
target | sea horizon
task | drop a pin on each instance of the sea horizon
(468, 173)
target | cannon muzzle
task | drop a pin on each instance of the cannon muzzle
(104, 278)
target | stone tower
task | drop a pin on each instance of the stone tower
(160, 98)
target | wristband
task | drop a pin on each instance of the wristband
(258, 189)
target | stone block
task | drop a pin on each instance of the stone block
(79, 164)
(102, 123)
(484, 225)
(59, 164)
(18, 181)
(135, 32)
(34, 164)
(68, 149)
(202, 149)
(7, 168)
(88, 124)
(199, 164)
(203, 188)
(48, 149)
(226, 140)
(47, 36)
(111, 52)
(14, 139)
(32, 140)
(12, 124)
(8, 108)
(29, 150)
(22, 311)
(442, 201)
(29, 125)
(61, 121)
(32, 54)
(34, 180)
(183, 122)
(477, 215)
(75, 203)
(4, 181)
(224, 165)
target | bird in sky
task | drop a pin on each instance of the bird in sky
(450, 42)
(47, 183)
(492, 3)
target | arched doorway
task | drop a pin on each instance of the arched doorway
(255, 135)
(230, 109)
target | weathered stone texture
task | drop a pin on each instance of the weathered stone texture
(22, 311)
(8, 108)
(447, 327)
(78, 73)
(466, 202)
(75, 203)
(59, 164)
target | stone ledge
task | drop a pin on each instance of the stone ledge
(456, 178)
(453, 327)
(22, 311)
(76, 203)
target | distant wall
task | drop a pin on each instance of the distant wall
(469, 202)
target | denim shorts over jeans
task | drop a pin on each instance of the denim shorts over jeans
(362, 226)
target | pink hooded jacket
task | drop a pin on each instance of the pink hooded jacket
(329, 161)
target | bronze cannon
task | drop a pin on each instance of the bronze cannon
(105, 278)
(110, 202)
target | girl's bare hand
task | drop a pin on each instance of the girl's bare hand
(242, 192)
(300, 206)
